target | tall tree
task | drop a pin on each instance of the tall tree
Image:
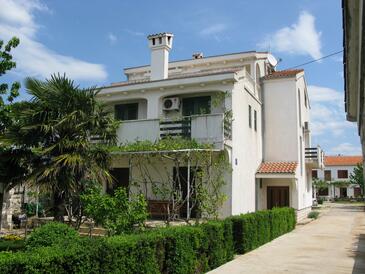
(357, 177)
(9, 93)
(12, 168)
(59, 124)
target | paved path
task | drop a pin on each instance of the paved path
(335, 243)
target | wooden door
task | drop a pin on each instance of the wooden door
(277, 196)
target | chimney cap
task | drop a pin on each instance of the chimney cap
(198, 55)
(162, 34)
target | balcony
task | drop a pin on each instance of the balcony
(314, 157)
(205, 129)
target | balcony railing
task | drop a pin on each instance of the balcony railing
(206, 129)
(314, 156)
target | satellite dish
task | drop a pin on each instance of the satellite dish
(272, 60)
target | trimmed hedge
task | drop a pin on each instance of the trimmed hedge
(182, 249)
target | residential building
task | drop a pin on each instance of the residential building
(338, 169)
(354, 65)
(267, 137)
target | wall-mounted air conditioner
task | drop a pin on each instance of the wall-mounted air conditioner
(172, 103)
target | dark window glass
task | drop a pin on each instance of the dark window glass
(196, 105)
(342, 174)
(249, 116)
(327, 175)
(126, 111)
(314, 174)
(255, 119)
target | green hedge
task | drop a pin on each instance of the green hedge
(183, 249)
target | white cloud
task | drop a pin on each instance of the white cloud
(301, 38)
(135, 33)
(34, 58)
(324, 94)
(346, 149)
(112, 38)
(213, 29)
(327, 112)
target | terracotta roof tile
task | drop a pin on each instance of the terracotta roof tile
(283, 74)
(278, 167)
(342, 160)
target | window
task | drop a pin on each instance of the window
(327, 175)
(314, 174)
(255, 120)
(249, 116)
(299, 109)
(126, 111)
(342, 174)
(196, 105)
(305, 99)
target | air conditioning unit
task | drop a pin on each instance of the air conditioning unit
(172, 103)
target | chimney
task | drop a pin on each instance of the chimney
(198, 55)
(160, 45)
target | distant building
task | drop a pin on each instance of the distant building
(338, 169)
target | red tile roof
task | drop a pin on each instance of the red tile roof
(342, 160)
(278, 167)
(283, 74)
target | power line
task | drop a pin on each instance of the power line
(316, 60)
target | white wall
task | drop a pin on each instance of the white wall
(246, 148)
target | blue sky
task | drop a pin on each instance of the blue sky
(92, 41)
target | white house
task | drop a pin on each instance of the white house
(338, 168)
(267, 139)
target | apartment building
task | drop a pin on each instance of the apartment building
(338, 169)
(267, 139)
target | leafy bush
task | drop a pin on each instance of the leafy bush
(11, 237)
(11, 245)
(118, 213)
(313, 214)
(320, 201)
(183, 249)
(50, 234)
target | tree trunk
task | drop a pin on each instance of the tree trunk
(1, 208)
(58, 206)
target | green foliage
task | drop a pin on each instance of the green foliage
(320, 201)
(166, 144)
(313, 214)
(320, 184)
(11, 245)
(6, 64)
(357, 177)
(50, 234)
(255, 229)
(183, 249)
(118, 213)
(58, 124)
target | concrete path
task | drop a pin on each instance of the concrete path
(334, 243)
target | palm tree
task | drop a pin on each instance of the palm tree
(59, 124)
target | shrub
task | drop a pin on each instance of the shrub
(313, 214)
(320, 201)
(13, 245)
(50, 234)
(183, 249)
(118, 213)
(11, 237)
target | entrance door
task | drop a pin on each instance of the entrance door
(182, 176)
(343, 192)
(120, 179)
(277, 196)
